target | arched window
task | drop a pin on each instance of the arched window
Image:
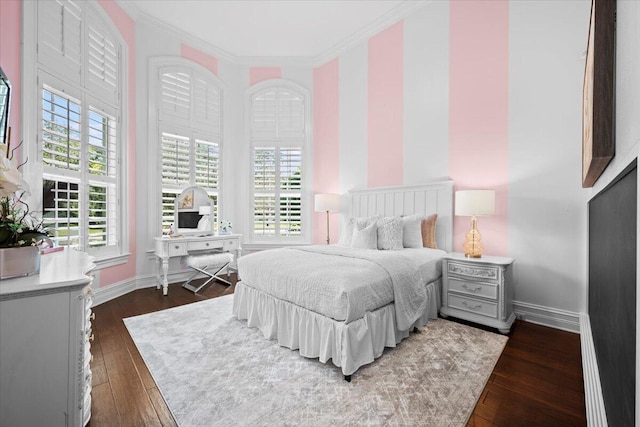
(189, 104)
(80, 61)
(278, 129)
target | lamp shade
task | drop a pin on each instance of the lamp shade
(327, 202)
(475, 202)
(204, 210)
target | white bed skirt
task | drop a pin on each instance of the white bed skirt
(348, 345)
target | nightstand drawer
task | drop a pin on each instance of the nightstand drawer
(482, 272)
(487, 290)
(485, 308)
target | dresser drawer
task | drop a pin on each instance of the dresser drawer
(485, 308)
(482, 272)
(205, 245)
(231, 244)
(177, 249)
(487, 290)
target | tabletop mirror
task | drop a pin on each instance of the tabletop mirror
(193, 209)
(5, 92)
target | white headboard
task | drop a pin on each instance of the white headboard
(435, 197)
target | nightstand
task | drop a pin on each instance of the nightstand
(479, 290)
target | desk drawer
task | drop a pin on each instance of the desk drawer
(177, 249)
(485, 308)
(205, 245)
(487, 290)
(231, 244)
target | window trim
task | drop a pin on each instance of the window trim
(155, 128)
(306, 190)
(31, 116)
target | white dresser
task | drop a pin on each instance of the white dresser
(171, 247)
(45, 334)
(479, 290)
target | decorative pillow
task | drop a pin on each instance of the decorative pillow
(390, 233)
(412, 231)
(349, 224)
(365, 238)
(346, 231)
(429, 231)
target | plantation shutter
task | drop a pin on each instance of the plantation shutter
(102, 61)
(264, 114)
(61, 210)
(206, 105)
(207, 164)
(291, 114)
(61, 128)
(60, 37)
(101, 168)
(175, 93)
(175, 159)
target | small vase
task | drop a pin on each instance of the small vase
(17, 262)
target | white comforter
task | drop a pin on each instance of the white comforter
(339, 282)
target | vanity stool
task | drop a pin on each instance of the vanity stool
(202, 263)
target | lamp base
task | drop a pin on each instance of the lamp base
(472, 247)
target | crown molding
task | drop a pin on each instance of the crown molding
(396, 14)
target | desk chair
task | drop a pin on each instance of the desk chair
(202, 263)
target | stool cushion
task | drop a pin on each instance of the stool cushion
(209, 260)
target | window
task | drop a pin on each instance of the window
(79, 64)
(79, 172)
(190, 134)
(279, 135)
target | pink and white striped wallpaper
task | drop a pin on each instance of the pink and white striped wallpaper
(477, 112)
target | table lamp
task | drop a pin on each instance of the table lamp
(474, 203)
(327, 203)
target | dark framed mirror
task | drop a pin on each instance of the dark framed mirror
(5, 95)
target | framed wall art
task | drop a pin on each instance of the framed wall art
(598, 120)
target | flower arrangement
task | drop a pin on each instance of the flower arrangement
(225, 226)
(18, 227)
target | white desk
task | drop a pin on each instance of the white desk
(170, 247)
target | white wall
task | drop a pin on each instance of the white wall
(547, 206)
(426, 94)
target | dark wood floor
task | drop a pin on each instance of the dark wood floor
(536, 382)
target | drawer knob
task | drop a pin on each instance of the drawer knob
(476, 289)
(472, 307)
(177, 247)
(207, 244)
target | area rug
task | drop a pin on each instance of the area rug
(214, 370)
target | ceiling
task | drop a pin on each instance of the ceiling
(272, 28)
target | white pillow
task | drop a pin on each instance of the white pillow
(365, 238)
(349, 224)
(412, 231)
(390, 233)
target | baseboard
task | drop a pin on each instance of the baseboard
(596, 414)
(547, 316)
(107, 293)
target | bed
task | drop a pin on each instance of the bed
(347, 304)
